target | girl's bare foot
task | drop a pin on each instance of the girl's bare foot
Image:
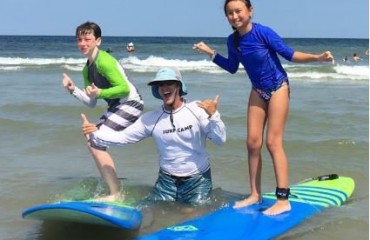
(248, 201)
(279, 207)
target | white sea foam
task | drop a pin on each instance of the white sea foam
(39, 61)
(359, 71)
(322, 72)
(10, 68)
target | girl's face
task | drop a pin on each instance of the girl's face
(239, 15)
(87, 43)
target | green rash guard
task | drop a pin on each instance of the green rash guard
(108, 75)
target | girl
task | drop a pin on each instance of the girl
(257, 47)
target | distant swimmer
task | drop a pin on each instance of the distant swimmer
(356, 58)
(130, 47)
(345, 59)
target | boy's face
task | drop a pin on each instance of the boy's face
(87, 42)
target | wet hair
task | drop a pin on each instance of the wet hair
(88, 27)
(248, 4)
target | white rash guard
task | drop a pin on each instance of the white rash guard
(180, 137)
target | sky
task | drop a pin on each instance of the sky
(193, 18)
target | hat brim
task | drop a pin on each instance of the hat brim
(157, 81)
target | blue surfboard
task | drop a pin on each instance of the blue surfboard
(112, 214)
(307, 199)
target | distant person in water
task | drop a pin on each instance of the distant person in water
(356, 58)
(104, 78)
(345, 59)
(130, 47)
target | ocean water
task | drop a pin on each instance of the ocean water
(44, 157)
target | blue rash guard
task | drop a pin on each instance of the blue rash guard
(258, 52)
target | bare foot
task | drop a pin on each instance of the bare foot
(248, 201)
(279, 207)
(110, 198)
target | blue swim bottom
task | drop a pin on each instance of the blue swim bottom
(194, 189)
(266, 94)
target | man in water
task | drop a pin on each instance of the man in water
(179, 129)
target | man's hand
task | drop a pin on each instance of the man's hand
(209, 105)
(87, 127)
